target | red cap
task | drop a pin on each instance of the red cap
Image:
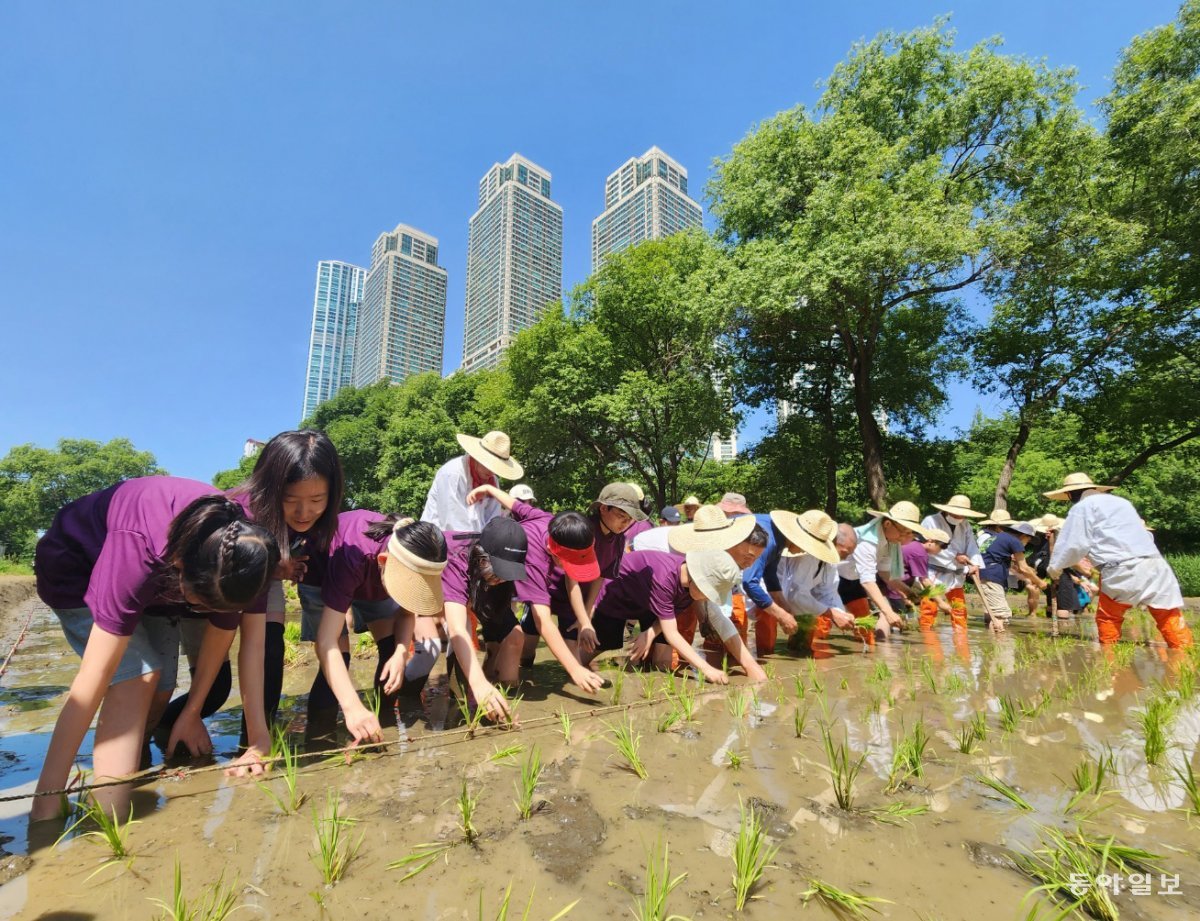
(580, 565)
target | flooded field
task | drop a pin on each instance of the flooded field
(941, 775)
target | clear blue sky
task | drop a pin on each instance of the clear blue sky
(170, 174)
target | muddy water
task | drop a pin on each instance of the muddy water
(594, 820)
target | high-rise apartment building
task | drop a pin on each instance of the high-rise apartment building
(402, 320)
(339, 293)
(514, 259)
(645, 199)
(724, 449)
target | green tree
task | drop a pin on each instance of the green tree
(228, 479)
(36, 482)
(858, 222)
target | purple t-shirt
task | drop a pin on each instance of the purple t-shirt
(539, 565)
(105, 552)
(352, 570)
(648, 583)
(454, 576)
(609, 550)
(634, 530)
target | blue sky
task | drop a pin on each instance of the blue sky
(170, 174)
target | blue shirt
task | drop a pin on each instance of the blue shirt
(998, 557)
(765, 571)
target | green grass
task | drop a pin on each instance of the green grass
(526, 785)
(908, 760)
(843, 769)
(466, 804)
(652, 906)
(1188, 778)
(335, 847)
(1009, 793)
(218, 902)
(628, 742)
(841, 903)
(1154, 719)
(14, 568)
(752, 855)
(1187, 571)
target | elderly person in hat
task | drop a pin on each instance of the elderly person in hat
(1108, 530)
(689, 507)
(486, 461)
(960, 559)
(878, 557)
(1005, 552)
(814, 545)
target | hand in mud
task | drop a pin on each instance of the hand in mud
(363, 725)
(894, 620)
(250, 763)
(587, 680)
(493, 703)
(842, 619)
(190, 730)
(392, 673)
(587, 640)
(641, 646)
(755, 673)
(715, 675)
(787, 623)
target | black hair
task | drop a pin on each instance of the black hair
(489, 602)
(757, 537)
(573, 530)
(421, 538)
(291, 457)
(221, 558)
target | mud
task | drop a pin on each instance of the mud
(594, 821)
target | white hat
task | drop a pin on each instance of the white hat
(524, 492)
(714, 573)
(690, 500)
(812, 531)
(904, 514)
(958, 505)
(711, 529)
(1074, 482)
(493, 451)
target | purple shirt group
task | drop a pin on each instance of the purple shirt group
(648, 583)
(352, 569)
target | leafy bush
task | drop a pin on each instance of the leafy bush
(1187, 570)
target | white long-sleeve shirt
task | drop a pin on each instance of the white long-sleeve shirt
(943, 568)
(446, 505)
(809, 585)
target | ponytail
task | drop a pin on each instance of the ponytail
(489, 602)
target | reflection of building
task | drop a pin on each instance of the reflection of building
(336, 301)
(645, 199)
(724, 449)
(514, 259)
(402, 320)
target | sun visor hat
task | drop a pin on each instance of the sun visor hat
(580, 565)
(506, 545)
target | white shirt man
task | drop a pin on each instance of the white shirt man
(446, 505)
(946, 566)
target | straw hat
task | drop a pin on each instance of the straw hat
(1047, 522)
(714, 573)
(493, 450)
(711, 529)
(904, 514)
(812, 531)
(999, 517)
(937, 534)
(690, 500)
(958, 505)
(412, 582)
(1074, 482)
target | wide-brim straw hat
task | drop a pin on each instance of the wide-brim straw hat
(711, 529)
(1047, 522)
(714, 573)
(494, 451)
(690, 500)
(958, 505)
(1074, 482)
(999, 516)
(412, 582)
(813, 532)
(905, 514)
(937, 534)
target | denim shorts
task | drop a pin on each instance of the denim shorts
(365, 612)
(153, 647)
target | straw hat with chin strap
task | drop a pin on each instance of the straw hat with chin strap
(711, 529)
(493, 451)
(1075, 482)
(813, 532)
(905, 514)
(958, 505)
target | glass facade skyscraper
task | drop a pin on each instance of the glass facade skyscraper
(514, 259)
(645, 199)
(402, 320)
(338, 294)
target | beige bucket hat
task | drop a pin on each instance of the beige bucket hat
(494, 451)
(711, 529)
(958, 505)
(1073, 482)
(999, 516)
(905, 514)
(714, 573)
(1047, 522)
(412, 582)
(690, 500)
(812, 531)
(623, 496)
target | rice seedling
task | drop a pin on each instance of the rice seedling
(908, 760)
(896, 812)
(1009, 793)
(466, 804)
(287, 769)
(649, 687)
(364, 646)
(815, 682)
(845, 685)
(109, 830)
(686, 699)
(629, 743)
(1122, 654)
(472, 717)
(734, 759)
(508, 753)
(217, 904)
(335, 849)
(801, 688)
(564, 724)
(954, 684)
(800, 721)
(420, 859)
(502, 911)
(840, 902)
(842, 769)
(669, 720)
(966, 742)
(752, 855)
(531, 773)
(738, 703)
(1185, 682)
(1188, 778)
(512, 702)
(927, 673)
(1154, 719)
(979, 726)
(1033, 709)
(618, 685)
(293, 650)
(1089, 776)
(373, 700)
(823, 703)
(1010, 713)
(652, 906)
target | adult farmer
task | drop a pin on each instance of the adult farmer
(879, 557)
(1109, 531)
(960, 559)
(762, 594)
(486, 461)
(808, 570)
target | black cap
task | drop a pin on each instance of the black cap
(505, 543)
(670, 514)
